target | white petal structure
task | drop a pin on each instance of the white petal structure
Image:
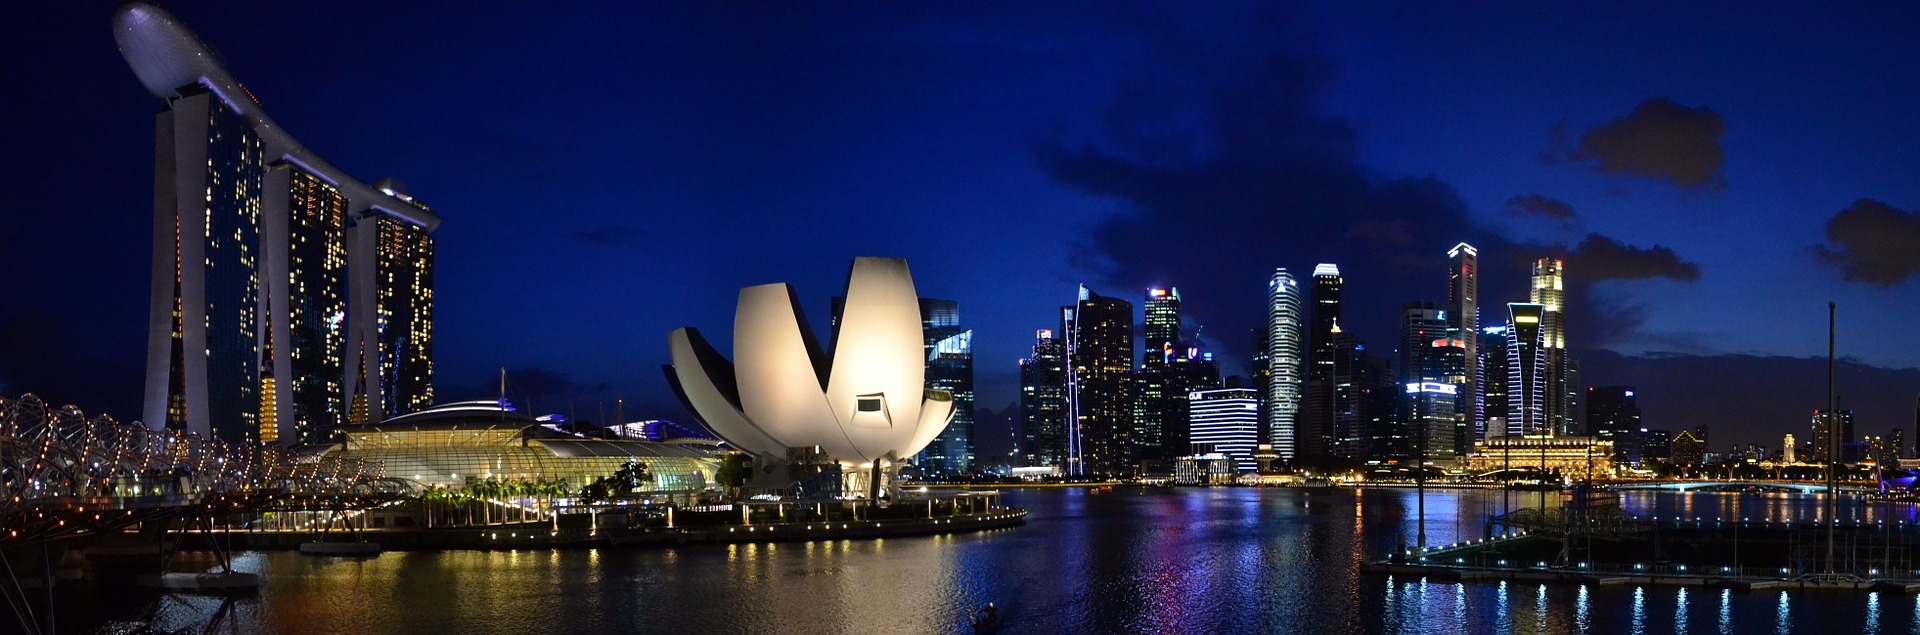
(863, 401)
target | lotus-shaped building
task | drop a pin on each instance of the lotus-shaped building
(862, 402)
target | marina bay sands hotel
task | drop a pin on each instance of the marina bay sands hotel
(289, 298)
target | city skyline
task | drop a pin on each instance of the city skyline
(1651, 295)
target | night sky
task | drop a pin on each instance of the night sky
(1714, 174)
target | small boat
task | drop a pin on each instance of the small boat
(987, 620)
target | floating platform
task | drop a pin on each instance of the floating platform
(340, 548)
(216, 582)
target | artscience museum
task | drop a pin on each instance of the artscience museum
(856, 407)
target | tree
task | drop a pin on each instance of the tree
(622, 482)
(734, 471)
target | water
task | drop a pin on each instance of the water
(1134, 560)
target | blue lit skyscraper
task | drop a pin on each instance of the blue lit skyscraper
(949, 367)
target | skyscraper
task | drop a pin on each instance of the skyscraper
(246, 255)
(1261, 376)
(303, 231)
(1285, 341)
(1227, 420)
(1314, 437)
(1043, 401)
(1494, 366)
(390, 286)
(1526, 370)
(1613, 414)
(1463, 316)
(1099, 334)
(1159, 415)
(1549, 291)
(1432, 370)
(949, 351)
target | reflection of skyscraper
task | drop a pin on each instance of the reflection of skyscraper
(949, 351)
(1099, 334)
(1549, 291)
(1526, 370)
(1043, 401)
(1315, 437)
(247, 254)
(1285, 341)
(1463, 316)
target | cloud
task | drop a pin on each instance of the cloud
(611, 236)
(1872, 242)
(1601, 258)
(1660, 139)
(1537, 205)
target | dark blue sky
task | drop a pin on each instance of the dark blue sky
(607, 174)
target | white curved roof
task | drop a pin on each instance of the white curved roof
(865, 400)
(165, 55)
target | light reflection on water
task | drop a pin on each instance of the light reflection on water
(1135, 560)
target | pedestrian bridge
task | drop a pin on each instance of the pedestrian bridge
(1759, 487)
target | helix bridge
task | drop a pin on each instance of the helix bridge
(65, 475)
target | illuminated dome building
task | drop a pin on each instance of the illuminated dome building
(455, 445)
(862, 403)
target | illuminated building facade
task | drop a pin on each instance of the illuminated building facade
(304, 232)
(949, 368)
(1821, 430)
(1158, 413)
(1527, 370)
(1549, 291)
(393, 310)
(1099, 334)
(1227, 421)
(1613, 413)
(1284, 345)
(1572, 457)
(1463, 318)
(246, 252)
(1313, 438)
(1043, 402)
(1432, 370)
(1493, 384)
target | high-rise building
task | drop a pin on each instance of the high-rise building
(1260, 380)
(245, 328)
(1432, 370)
(303, 231)
(1613, 414)
(1493, 381)
(390, 282)
(1159, 413)
(1099, 335)
(949, 350)
(1043, 402)
(1820, 439)
(1226, 421)
(1314, 437)
(1549, 291)
(1463, 316)
(1285, 342)
(1527, 370)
